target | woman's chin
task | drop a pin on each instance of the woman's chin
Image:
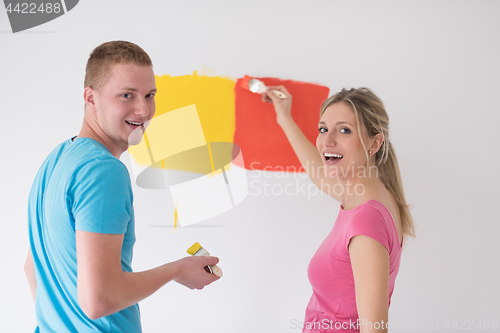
(331, 172)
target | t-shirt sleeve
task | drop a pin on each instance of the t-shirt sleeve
(368, 221)
(102, 197)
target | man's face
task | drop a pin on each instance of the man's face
(125, 102)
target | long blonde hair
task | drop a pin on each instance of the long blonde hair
(371, 115)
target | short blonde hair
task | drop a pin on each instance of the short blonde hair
(108, 54)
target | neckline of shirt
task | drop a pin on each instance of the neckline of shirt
(76, 137)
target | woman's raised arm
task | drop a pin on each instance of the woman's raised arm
(308, 154)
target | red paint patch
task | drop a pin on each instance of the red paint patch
(262, 141)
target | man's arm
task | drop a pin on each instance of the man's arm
(104, 288)
(370, 268)
(29, 270)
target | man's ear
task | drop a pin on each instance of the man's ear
(89, 97)
(378, 139)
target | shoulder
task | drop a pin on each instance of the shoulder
(91, 164)
(102, 171)
(54, 162)
(370, 219)
(91, 156)
(56, 154)
(368, 214)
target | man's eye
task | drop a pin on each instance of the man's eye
(150, 96)
(322, 130)
(345, 130)
(127, 95)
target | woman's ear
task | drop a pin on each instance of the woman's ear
(377, 141)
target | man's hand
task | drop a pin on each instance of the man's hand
(191, 271)
(104, 288)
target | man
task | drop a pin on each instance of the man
(80, 212)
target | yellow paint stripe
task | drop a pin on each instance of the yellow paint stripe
(211, 158)
(149, 148)
(175, 216)
(146, 140)
(212, 120)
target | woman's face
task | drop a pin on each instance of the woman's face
(339, 144)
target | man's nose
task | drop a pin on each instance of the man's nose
(142, 107)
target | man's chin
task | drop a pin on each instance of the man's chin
(134, 142)
(135, 137)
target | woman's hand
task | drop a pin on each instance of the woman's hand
(283, 107)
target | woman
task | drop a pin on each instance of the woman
(354, 270)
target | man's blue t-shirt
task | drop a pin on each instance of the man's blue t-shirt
(80, 186)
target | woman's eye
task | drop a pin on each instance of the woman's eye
(345, 130)
(322, 130)
(127, 95)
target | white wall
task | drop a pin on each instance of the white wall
(434, 63)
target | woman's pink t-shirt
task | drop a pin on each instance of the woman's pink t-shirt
(332, 307)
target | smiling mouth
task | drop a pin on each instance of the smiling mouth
(133, 123)
(333, 156)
